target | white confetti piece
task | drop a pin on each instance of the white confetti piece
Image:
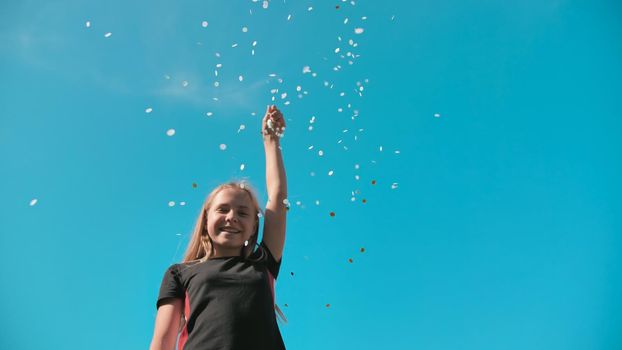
(223, 147)
(310, 147)
(298, 88)
(148, 110)
(171, 204)
(234, 45)
(184, 83)
(286, 202)
(216, 84)
(204, 24)
(394, 185)
(88, 24)
(345, 21)
(107, 35)
(265, 4)
(254, 43)
(358, 30)
(219, 65)
(170, 132)
(337, 50)
(317, 202)
(289, 17)
(283, 95)
(310, 8)
(209, 114)
(242, 166)
(312, 173)
(356, 177)
(356, 166)
(306, 69)
(240, 78)
(330, 173)
(320, 153)
(33, 202)
(242, 127)
(182, 203)
(380, 148)
(244, 29)
(436, 115)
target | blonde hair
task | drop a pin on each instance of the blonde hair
(200, 246)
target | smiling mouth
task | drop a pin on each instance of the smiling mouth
(229, 230)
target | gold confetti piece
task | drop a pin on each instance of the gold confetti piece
(278, 310)
(373, 182)
(362, 250)
(364, 200)
(194, 185)
(332, 214)
(350, 260)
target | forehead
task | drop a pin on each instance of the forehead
(233, 196)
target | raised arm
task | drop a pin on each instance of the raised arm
(273, 124)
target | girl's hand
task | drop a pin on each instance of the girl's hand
(273, 123)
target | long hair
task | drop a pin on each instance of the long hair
(200, 246)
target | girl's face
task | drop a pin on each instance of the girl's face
(231, 220)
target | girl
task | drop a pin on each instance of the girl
(221, 297)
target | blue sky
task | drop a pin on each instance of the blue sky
(491, 130)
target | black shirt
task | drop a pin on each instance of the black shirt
(228, 302)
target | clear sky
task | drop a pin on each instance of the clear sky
(474, 147)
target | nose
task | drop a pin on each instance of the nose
(231, 217)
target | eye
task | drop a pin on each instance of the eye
(221, 210)
(244, 214)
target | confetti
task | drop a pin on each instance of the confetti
(244, 29)
(242, 166)
(88, 24)
(350, 260)
(289, 17)
(204, 24)
(223, 147)
(216, 84)
(327, 305)
(320, 153)
(265, 4)
(184, 83)
(362, 250)
(306, 69)
(148, 110)
(240, 78)
(194, 185)
(373, 182)
(330, 173)
(364, 201)
(171, 204)
(436, 115)
(242, 127)
(182, 203)
(33, 202)
(317, 202)
(358, 30)
(310, 8)
(332, 214)
(170, 132)
(107, 35)
(209, 114)
(394, 185)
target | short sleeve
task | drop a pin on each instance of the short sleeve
(171, 286)
(271, 263)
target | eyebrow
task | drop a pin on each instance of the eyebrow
(239, 206)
